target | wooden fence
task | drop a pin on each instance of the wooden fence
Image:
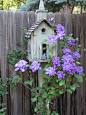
(18, 102)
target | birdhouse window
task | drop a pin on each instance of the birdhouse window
(43, 30)
(44, 51)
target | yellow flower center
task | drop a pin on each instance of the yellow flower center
(59, 29)
(35, 65)
(20, 64)
(66, 65)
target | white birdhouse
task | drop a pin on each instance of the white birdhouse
(37, 33)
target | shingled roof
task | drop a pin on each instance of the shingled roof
(35, 25)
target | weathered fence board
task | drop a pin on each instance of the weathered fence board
(19, 101)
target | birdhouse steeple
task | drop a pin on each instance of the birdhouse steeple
(41, 12)
(41, 5)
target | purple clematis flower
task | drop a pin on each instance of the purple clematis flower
(60, 28)
(79, 70)
(60, 35)
(76, 55)
(50, 71)
(66, 51)
(72, 69)
(52, 39)
(71, 42)
(67, 58)
(66, 66)
(35, 66)
(51, 20)
(21, 65)
(60, 74)
(56, 61)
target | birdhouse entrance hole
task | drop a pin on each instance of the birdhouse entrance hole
(44, 48)
(43, 30)
(44, 51)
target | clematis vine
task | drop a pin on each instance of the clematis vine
(59, 70)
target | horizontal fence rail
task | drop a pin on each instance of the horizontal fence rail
(18, 102)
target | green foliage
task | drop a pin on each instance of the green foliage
(79, 77)
(34, 5)
(50, 5)
(10, 4)
(14, 57)
(62, 82)
(29, 82)
(17, 55)
(45, 40)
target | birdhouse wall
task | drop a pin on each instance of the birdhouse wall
(29, 48)
(35, 43)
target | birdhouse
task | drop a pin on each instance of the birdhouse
(37, 36)
(37, 48)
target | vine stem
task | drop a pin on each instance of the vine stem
(36, 85)
(27, 74)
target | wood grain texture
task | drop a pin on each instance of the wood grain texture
(19, 101)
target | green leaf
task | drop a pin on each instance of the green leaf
(61, 91)
(29, 82)
(70, 35)
(82, 74)
(54, 27)
(52, 92)
(49, 53)
(44, 48)
(44, 95)
(78, 49)
(35, 55)
(77, 85)
(45, 40)
(49, 60)
(61, 42)
(65, 85)
(79, 77)
(84, 50)
(6, 92)
(53, 47)
(73, 87)
(79, 45)
(58, 50)
(38, 88)
(69, 90)
(69, 38)
(24, 30)
(54, 113)
(62, 82)
(78, 62)
(36, 109)
(33, 99)
(77, 39)
(57, 80)
(16, 77)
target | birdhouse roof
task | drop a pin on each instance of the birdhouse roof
(35, 25)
